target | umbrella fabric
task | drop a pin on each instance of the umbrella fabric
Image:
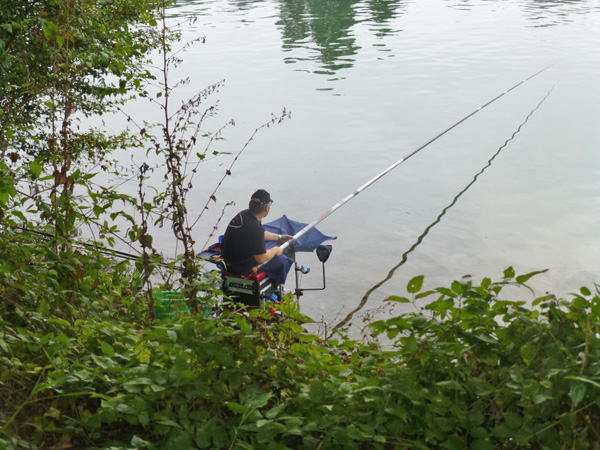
(307, 243)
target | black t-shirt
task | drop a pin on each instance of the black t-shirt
(244, 238)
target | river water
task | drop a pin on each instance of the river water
(369, 81)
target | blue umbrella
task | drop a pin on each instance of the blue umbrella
(305, 243)
(278, 268)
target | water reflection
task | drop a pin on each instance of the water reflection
(465, 5)
(327, 23)
(381, 13)
(330, 32)
(324, 31)
(331, 25)
(545, 13)
(245, 5)
(187, 8)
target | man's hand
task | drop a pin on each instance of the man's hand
(285, 238)
(268, 255)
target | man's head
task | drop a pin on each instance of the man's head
(260, 203)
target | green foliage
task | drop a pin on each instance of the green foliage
(473, 370)
(97, 38)
(82, 365)
(61, 61)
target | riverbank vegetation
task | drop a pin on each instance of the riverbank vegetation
(84, 361)
(469, 369)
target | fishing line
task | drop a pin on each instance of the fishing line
(400, 161)
(437, 220)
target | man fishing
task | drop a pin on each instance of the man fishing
(244, 245)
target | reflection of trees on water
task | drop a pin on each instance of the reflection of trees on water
(187, 8)
(382, 12)
(328, 24)
(322, 30)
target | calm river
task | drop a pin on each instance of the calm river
(369, 81)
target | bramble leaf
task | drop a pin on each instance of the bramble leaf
(524, 278)
(394, 298)
(415, 284)
(107, 349)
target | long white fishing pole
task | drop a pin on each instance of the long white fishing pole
(397, 163)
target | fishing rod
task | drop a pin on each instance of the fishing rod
(422, 236)
(400, 161)
(108, 252)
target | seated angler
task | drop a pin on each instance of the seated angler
(244, 245)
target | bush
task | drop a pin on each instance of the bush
(471, 370)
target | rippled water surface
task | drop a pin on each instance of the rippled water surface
(369, 81)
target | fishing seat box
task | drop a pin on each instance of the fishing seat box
(251, 290)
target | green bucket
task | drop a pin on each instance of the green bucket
(170, 305)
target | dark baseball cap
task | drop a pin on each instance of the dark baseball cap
(263, 196)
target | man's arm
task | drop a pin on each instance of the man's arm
(268, 255)
(277, 237)
(274, 251)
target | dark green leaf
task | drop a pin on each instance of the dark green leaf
(480, 444)
(237, 408)
(577, 392)
(458, 287)
(512, 420)
(35, 168)
(509, 273)
(585, 291)
(585, 380)
(258, 401)
(393, 298)
(241, 322)
(169, 423)
(144, 418)
(447, 292)
(107, 349)
(453, 443)
(276, 410)
(524, 278)
(318, 393)
(450, 385)
(415, 284)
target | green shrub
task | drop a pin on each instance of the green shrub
(474, 369)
